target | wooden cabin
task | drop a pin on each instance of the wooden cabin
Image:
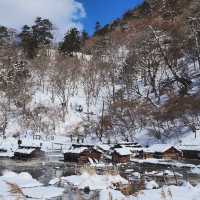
(121, 155)
(163, 151)
(4, 153)
(28, 153)
(82, 155)
(106, 153)
(95, 154)
(28, 144)
(105, 148)
(137, 152)
(190, 152)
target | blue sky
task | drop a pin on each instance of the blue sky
(105, 11)
(64, 14)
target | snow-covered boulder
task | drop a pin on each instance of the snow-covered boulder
(151, 185)
(95, 181)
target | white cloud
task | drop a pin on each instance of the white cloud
(63, 13)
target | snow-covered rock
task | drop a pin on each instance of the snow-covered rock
(151, 185)
(108, 194)
(15, 186)
(95, 181)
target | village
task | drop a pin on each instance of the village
(75, 150)
(49, 159)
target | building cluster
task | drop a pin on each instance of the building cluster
(81, 153)
(23, 151)
(125, 152)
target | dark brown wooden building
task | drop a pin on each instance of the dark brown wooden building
(121, 155)
(162, 151)
(28, 153)
(190, 152)
(82, 155)
(4, 153)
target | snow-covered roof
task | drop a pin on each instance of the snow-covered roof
(123, 151)
(3, 146)
(158, 148)
(133, 149)
(189, 147)
(30, 143)
(6, 154)
(25, 151)
(75, 150)
(104, 147)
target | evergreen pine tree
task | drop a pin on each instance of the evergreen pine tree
(84, 37)
(32, 38)
(71, 43)
(3, 34)
(97, 27)
(27, 41)
(42, 31)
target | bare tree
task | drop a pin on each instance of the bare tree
(63, 81)
(4, 111)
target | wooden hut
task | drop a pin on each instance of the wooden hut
(137, 152)
(28, 153)
(121, 155)
(95, 153)
(105, 148)
(163, 151)
(29, 144)
(4, 153)
(190, 152)
(82, 155)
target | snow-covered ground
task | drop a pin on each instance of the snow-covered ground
(152, 191)
(15, 186)
(185, 192)
(92, 180)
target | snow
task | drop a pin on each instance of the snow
(151, 185)
(54, 181)
(43, 192)
(6, 154)
(75, 150)
(165, 172)
(9, 144)
(23, 180)
(163, 162)
(189, 147)
(29, 187)
(108, 194)
(195, 170)
(29, 142)
(94, 181)
(136, 174)
(158, 148)
(123, 151)
(186, 192)
(25, 151)
(104, 147)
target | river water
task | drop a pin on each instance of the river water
(53, 167)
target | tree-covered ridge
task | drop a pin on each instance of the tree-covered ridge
(133, 74)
